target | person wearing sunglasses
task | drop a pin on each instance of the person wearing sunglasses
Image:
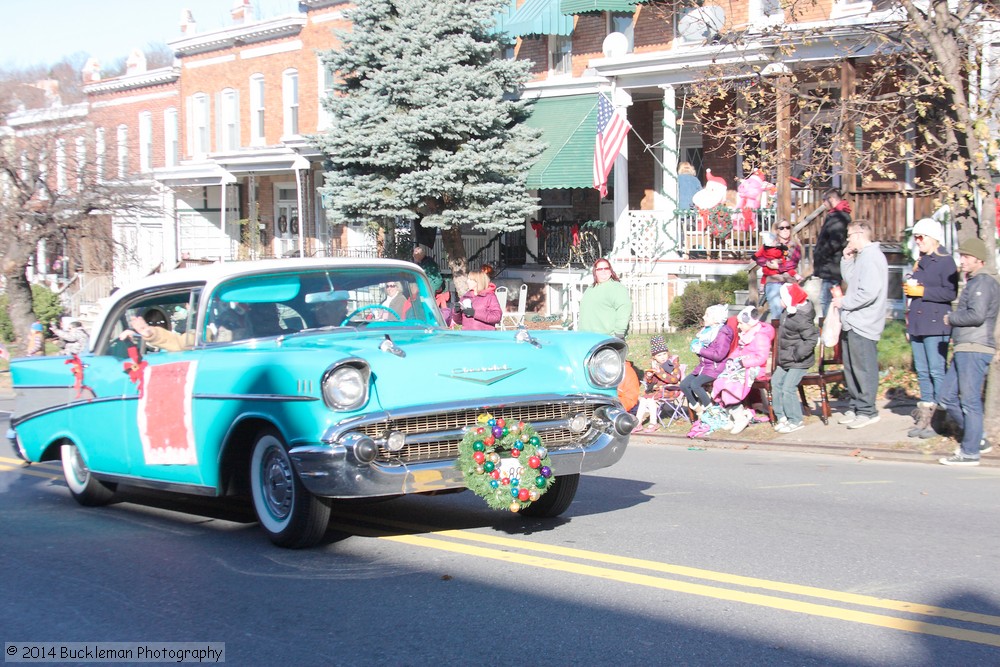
(830, 246)
(606, 307)
(931, 288)
(778, 259)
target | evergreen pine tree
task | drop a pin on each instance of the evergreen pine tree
(426, 122)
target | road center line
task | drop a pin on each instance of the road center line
(787, 486)
(759, 599)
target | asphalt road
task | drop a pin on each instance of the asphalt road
(674, 556)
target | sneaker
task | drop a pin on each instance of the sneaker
(985, 447)
(847, 417)
(780, 424)
(792, 428)
(741, 419)
(958, 461)
(863, 420)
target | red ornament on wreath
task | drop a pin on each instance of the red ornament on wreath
(507, 460)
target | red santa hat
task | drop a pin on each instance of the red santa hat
(792, 296)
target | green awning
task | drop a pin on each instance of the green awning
(569, 127)
(584, 6)
(504, 16)
(539, 17)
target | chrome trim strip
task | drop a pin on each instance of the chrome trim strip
(255, 397)
(177, 487)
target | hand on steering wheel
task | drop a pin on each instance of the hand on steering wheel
(370, 307)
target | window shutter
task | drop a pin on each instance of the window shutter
(189, 125)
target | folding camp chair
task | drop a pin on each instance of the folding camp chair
(673, 409)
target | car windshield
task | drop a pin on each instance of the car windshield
(283, 303)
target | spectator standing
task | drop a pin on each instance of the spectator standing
(779, 263)
(932, 287)
(797, 338)
(830, 246)
(687, 185)
(75, 337)
(712, 345)
(862, 315)
(972, 323)
(606, 307)
(430, 267)
(36, 340)
(478, 309)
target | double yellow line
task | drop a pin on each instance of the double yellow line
(635, 571)
(11, 465)
(579, 561)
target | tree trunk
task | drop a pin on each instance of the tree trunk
(451, 238)
(19, 304)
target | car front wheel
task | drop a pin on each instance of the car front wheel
(556, 500)
(291, 516)
(82, 485)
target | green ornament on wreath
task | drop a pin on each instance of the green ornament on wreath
(505, 463)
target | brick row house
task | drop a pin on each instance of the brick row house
(220, 138)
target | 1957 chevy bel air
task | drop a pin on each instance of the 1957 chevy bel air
(297, 382)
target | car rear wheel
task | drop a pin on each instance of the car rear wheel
(87, 490)
(290, 515)
(556, 500)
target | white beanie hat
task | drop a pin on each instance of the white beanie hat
(929, 227)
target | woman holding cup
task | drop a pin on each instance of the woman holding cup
(478, 309)
(931, 287)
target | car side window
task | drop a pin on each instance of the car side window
(161, 322)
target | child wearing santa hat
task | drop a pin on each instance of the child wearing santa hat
(797, 339)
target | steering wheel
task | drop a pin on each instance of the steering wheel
(370, 307)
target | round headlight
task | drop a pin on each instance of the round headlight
(605, 367)
(345, 388)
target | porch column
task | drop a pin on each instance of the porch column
(621, 99)
(668, 169)
(300, 164)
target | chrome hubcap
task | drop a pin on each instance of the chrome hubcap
(276, 484)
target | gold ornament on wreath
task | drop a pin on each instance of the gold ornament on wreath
(505, 463)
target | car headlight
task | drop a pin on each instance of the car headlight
(605, 367)
(346, 387)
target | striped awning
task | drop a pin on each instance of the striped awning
(569, 127)
(584, 6)
(539, 17)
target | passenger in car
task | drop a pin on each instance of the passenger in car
(158, 337)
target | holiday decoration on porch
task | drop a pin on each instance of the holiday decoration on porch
(713, 215)
(505, 463)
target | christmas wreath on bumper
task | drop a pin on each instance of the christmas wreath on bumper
(505, 464)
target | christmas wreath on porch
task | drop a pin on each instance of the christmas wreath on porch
(504, 463)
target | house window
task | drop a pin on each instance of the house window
(229, 119)
(61, 182)
(145, 142)
(560, 54)
(198, 122)
(843, 8)
(171, 149)
(122, 138)
(622, 22)
(81, 161)
(257, 109)
(290, 101)
(99, 149)
(766, 12)
(326, 86)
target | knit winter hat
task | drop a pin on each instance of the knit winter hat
(973, 247)
(748, 314)
(657, 345)
(716, 314)
(792, 296)
(37, 326)
(769, 239)
(929, 227)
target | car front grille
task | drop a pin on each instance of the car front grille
(437, 436)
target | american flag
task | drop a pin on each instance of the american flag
(612, 130)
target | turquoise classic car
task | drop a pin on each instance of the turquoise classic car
(299, 382)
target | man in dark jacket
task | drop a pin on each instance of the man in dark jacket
(972, 323)
(830, 245)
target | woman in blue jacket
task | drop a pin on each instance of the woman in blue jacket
(932, 287)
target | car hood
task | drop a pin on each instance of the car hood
(440, 365)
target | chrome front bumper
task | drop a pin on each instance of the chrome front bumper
(335, 470)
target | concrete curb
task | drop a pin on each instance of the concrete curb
(857, 450)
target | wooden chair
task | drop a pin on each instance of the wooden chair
(829, 370)
(763, 383)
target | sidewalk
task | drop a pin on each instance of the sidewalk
(883, 440)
